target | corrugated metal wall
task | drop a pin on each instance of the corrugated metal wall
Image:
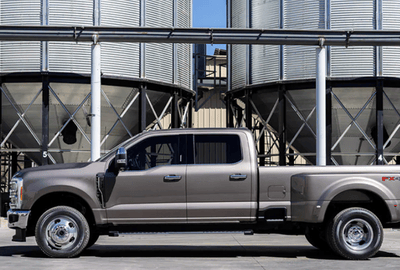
(239, 55)
(265, 59)
(20, 56)
(159, 61)
(269, 63)
(391, 21)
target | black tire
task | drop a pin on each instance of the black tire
(316, 237)
(355, 233)
(62, 232)
(93, 239)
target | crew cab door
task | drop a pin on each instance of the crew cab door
(153, 187)
(219, 180)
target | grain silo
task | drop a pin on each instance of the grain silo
(55, 76)
(279, 80)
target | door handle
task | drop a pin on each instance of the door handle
(237, 177)
(172, 178)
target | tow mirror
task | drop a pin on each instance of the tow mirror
(120, 159)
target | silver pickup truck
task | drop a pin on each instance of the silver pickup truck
(202, 180)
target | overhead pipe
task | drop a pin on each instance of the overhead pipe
(201, 35)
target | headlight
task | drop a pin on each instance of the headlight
(16, 186)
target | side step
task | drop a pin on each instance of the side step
(117, 233)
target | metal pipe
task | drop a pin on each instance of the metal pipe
(202, 35)
(96, 100)
(321, 105)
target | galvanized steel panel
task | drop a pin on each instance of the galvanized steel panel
(265, 58)
(265, 63)
(70, 57)
(299, 62)
(391, 15)
(159, 57)
(72, 12)
(304, 14)
(19, 56)
(239, 51)
(265, 14)
(122, 13)
(358, 14)
(120, 59)
(391, 61)
(20, 12)
(184, 59)
(352, 61)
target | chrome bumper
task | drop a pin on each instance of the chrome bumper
(18, 219)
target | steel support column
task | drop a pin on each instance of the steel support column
(229, 113)
(328, 124)
(142, 108)
(189, 119)
(282, 127)
(174, 110)
(379, 123)
(96, 100)
(248, 111)
(261, 149)
(321, 105)
(45, 119)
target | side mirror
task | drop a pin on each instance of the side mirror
(120, 159)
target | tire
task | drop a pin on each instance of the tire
(62, 232)
(355, 233)
(92, 239)
(315, 237)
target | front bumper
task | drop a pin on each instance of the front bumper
(18, 220)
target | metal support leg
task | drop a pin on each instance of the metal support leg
(96, 100)
(249, 111)
(291, 157)
(282, 127)
(328, 125)
(261, 149)
(45, 119)
(142, 107)
(174, 111)
(189, 120)
(379, 123)
(321, 106)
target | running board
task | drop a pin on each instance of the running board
(116, 233)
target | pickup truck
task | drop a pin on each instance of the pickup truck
(202, 180)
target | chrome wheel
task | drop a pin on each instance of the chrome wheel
(357, 234)
(62, 232)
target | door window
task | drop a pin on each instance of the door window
(217, 149)
(155, 151)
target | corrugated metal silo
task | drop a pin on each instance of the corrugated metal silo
(163, 68)
(353, 73)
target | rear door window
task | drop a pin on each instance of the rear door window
(217, 149)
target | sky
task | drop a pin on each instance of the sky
(210, 13)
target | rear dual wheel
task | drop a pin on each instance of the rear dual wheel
(355, 233)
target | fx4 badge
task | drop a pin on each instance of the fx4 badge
(391, 178)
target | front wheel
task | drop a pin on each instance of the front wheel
(62, 232)
(355, 233)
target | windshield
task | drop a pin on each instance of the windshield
(112, 151)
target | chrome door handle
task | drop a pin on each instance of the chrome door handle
(172, 178)
(237, 177)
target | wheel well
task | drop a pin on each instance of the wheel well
(358, 198)
(55, 199)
